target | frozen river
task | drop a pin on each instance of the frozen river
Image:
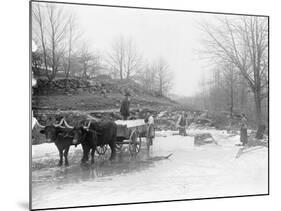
(191, 172)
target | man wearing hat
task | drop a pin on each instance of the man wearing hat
(125, 107)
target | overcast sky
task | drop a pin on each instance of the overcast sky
(174, 36)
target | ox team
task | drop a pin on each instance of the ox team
(96, 134)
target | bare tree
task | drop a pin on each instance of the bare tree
(243, 42)
(132, 59)
(203, 95)
(230, 78)
(147, 78)
(117, 56)
(72, 35)
(52, 23)
(89, 62)
(39, 20)
(124, 58)
(222, 88)
(163, 76)
(217, 92)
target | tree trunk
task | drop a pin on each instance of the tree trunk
(160, 87)
(128, 75)
(121, 75)
(243, 98)
(258, 107)
(66, 81)
(84, 74)
(121, 71)
(261, 126)
(231, 98)
(260, 132)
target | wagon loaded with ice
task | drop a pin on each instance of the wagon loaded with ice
(132, 133)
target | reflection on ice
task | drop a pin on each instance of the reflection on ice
(103, 167)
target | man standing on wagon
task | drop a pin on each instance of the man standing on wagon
(125, 107)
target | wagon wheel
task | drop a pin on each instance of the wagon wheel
(101, 150)
(135, 143)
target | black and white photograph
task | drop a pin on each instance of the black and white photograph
(141, 105)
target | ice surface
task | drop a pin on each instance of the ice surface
(191, 172)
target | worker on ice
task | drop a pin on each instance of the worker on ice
(182, 123)
(150, 132)
(125, 107)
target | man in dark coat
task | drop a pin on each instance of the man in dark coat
(182, 123)
(125, 107)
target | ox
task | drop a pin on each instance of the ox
(62, 139)
(97, 134)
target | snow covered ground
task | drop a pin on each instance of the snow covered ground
(191, 172)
